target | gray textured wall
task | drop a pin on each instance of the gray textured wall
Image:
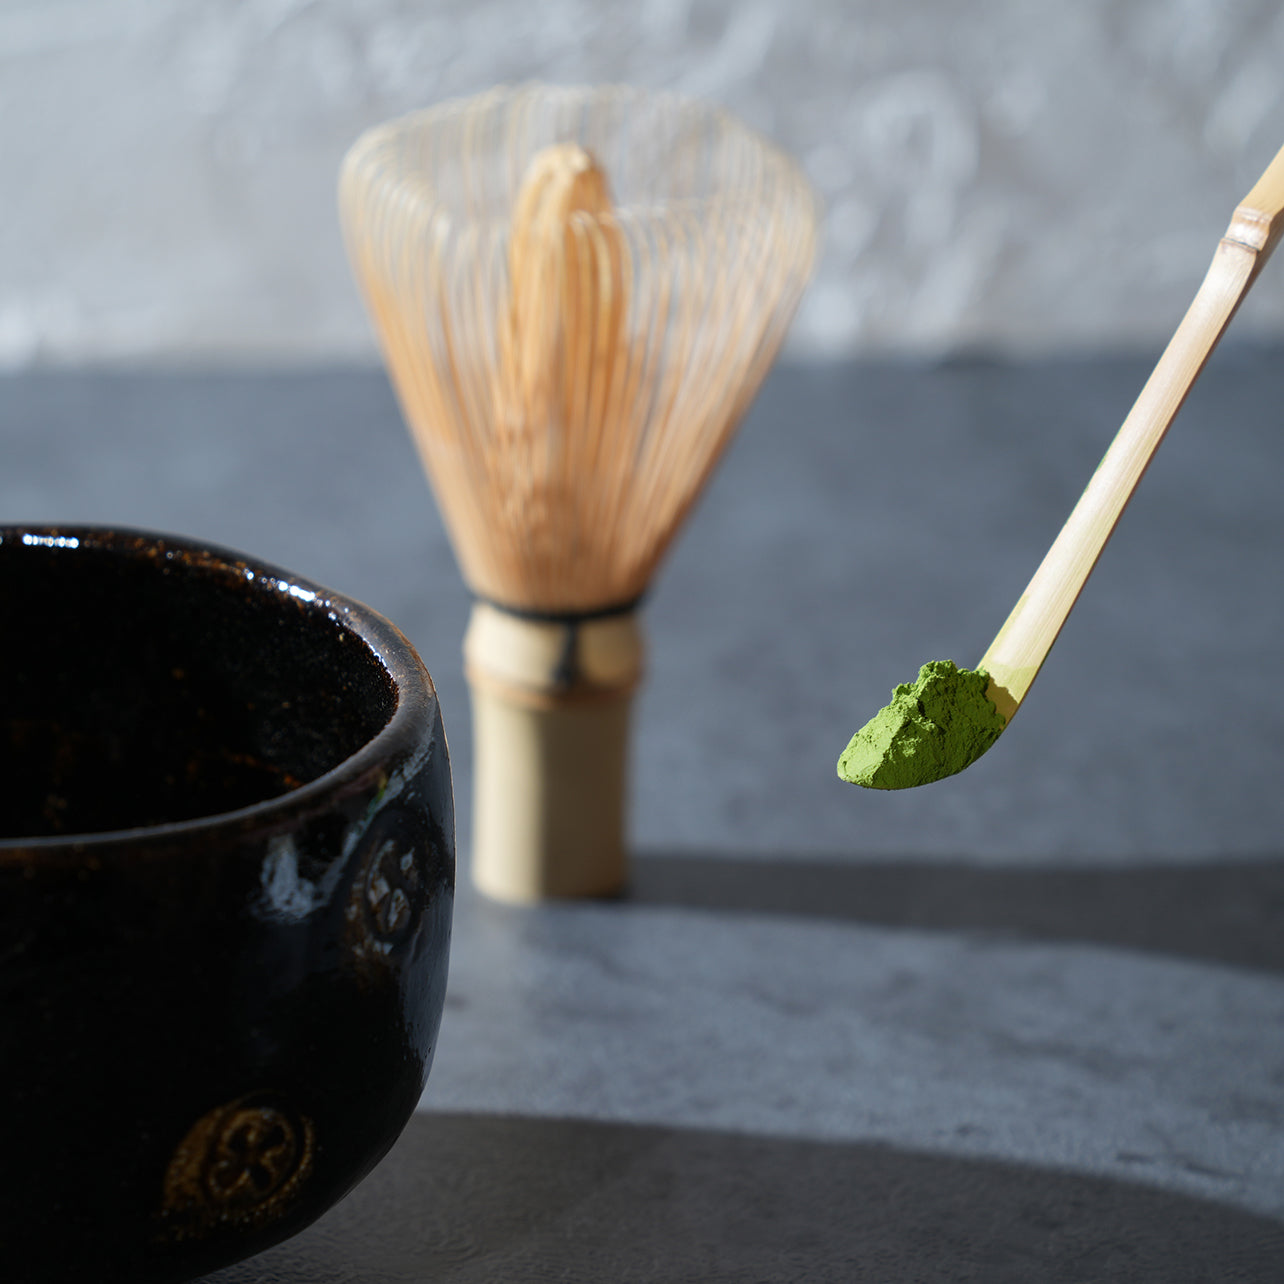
(1003, 174)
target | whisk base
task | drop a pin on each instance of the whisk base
(549, 798)
(551, 710)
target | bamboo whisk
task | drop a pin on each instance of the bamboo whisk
(578, 293)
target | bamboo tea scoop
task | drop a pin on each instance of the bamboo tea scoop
(943, 722)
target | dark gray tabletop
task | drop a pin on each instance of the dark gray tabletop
(1025, 1024)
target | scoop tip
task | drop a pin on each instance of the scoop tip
(935, 727)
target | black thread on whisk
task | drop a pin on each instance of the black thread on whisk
(538, 616)
(567, 668)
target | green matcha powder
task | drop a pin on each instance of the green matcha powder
(933, 728)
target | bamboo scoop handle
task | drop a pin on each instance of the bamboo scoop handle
(1023, 643)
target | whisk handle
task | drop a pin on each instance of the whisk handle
(551, 710)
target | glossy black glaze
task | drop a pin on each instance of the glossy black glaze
(226, 883)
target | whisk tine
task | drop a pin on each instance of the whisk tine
(590, 391)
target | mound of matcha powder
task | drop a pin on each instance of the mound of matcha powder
(933, 728)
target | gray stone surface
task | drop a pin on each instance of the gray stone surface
(997, 174)
(486, 1198)
(1041, 1002)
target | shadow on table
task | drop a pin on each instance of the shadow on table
(1229, 912)
(486, 1198)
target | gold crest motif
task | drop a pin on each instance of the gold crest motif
(239, 1165)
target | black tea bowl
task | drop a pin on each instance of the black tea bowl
(226, 884)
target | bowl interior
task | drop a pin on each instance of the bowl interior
(144, 682)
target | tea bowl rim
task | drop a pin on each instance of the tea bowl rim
(414, 692)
